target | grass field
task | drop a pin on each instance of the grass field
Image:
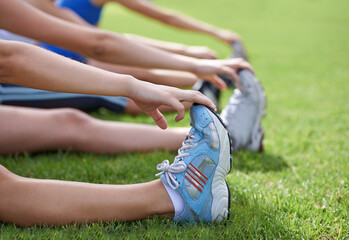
(299, 187)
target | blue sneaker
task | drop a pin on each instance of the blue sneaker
(199, 170)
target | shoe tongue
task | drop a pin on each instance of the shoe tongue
(198, 112)
(197, 138)
(196, 134)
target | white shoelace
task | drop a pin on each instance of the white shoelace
(177, 166)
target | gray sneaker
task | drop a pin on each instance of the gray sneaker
(239, 51)
(209, 90)
(242, 115)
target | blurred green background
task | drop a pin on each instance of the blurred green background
(298, 188)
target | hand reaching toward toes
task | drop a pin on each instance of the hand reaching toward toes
(149, 97)
(200, 52)
(227, 36)
(208, 70)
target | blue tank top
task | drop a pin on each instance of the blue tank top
(63, 52)
(86, 10)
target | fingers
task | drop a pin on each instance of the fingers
(196, 97)
(158, 118)
(240, 63)
(232, 73)
(203, 53)
(179, 107)
(212, 55)
(220, 84)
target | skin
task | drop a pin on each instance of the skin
(158, 76)
(36, 130)
(166, 77)
(28, 201)
(48, 6)
(150, 10)
(33, 201)
(30, 66)
(19, 17)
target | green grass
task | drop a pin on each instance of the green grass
(298, 188)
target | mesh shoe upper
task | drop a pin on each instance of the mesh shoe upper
(198, 172)
(243, 113)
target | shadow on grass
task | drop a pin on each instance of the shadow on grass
(247, 161)
(252, 218)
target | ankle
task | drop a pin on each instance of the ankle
(163, 206)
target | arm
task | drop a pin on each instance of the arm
(21, 18)
(190, 51)
(166, 77)
(49, 7)
(148, 9)
(30, 66)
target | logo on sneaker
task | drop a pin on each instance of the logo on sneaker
(196, 177)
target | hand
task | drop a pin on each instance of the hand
(208, 70)
(227, 36)
(149, 97)
(199, 52)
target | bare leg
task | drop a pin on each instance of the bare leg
(32, 130)
(26, 201)
(172, 78)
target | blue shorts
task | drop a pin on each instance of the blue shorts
(29, 97)
(63, 52)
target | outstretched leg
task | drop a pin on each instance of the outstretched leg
(33, 130)
(26, 201)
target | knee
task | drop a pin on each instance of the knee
(72, 117)
(6, 176)
(73, 124)
(8, 56)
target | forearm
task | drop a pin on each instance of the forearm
(158, 76)
(131, 52)
(30, 66)
(173, 78)
(190, 24)
(49, 7)
(166, 46)
(150, 10)
(21, 18)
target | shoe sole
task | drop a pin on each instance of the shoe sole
(220, 191)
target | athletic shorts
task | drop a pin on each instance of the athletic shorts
(63, 52)
(5, 35)
(28, 97)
